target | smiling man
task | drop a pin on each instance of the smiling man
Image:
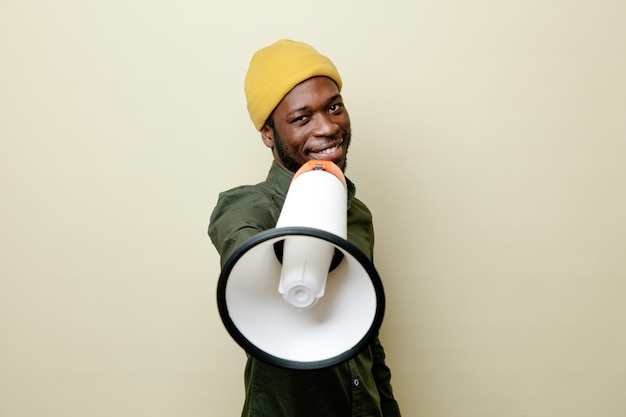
(310, 122)
(294, 100)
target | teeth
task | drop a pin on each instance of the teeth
(329, 150)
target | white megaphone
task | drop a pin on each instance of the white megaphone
(300, 295)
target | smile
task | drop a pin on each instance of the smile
(329, 150)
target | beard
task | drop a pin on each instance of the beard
(291, 163)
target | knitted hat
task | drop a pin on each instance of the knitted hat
(276, 69)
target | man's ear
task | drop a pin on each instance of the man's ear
(267, 135)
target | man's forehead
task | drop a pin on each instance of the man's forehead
(314, 91)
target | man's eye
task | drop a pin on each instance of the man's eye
(335, 107)
(299, 119)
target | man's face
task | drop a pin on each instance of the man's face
(310, 122)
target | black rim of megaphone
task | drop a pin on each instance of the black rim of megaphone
(300, 231)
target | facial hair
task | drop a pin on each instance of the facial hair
(291, 164)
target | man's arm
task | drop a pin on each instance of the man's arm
(239, 214)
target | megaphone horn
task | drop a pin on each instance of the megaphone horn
(300, 295)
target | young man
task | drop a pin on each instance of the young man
(294, 100)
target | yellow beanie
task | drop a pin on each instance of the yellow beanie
(276, 69)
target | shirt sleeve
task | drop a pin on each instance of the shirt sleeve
(240, 214)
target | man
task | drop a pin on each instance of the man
(294, 100)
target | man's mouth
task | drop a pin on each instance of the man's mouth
(329, 150)
(332, 153)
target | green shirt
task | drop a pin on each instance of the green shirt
(359, 387)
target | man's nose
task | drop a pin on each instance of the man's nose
(325, 126)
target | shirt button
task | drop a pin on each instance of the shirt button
(356, 382)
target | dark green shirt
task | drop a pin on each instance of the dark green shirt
(359, 387)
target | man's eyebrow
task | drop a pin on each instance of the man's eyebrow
(335, 97)
(299, 109)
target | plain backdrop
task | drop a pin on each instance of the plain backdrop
(489, 141)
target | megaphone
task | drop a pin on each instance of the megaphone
(300, 296)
